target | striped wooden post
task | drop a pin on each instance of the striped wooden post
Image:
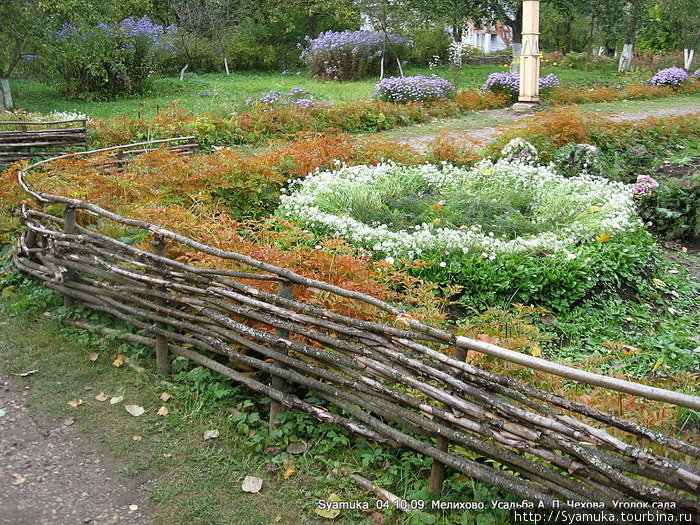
(437, 470)
(162, 351)
(285, 290)
(69, 216)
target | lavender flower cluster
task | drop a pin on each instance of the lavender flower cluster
(418, 88)
(128, 31)
(298, 97)
(671, 76)
(509, 83)
(348, 55)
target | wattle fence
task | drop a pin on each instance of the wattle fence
(27, 140)
(398, 381)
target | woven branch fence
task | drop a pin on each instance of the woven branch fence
(26, 140)
(398, 381)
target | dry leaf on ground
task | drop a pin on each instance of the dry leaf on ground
(211, 434)
(115, 400)
(251, 484)
(329, 513)
(296, 447)
(119, 361)
(165, 397)
(93, 356)
(288, 473)
(101, 397)
(19, 479)
(163, 411)
(134, 410)
(75, 403)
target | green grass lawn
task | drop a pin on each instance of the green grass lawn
(222, 94)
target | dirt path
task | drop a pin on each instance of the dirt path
(52, 474)
(461, 127)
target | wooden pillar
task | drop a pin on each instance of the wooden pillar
(437, 470)
(69, 216)
(529, 95)
(285, 290)
(162, 351)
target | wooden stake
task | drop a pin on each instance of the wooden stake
(162, 353)
(285, 291)
(69, 228)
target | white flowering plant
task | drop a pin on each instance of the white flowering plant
(527, 221)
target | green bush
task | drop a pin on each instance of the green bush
(106, 59)
(674, 207)
(429, 42)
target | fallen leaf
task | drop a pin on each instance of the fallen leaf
(137, 438)
(296, 447)
(87, 388)
(251, 484)
(535, 351)
(288, 473)
(25, 374)
(684, 249)
(19, 479)
(211, 434)
(119, 361)
(134, 410)
(68, 421)
(657, 366)
(115, 400)
(2, 412)
(93, 356)
(75, 403)
(101, 397)
(165, 397)
(133, 507)
(548, 320)
(163, 411)
(331, 513)
(658, 283)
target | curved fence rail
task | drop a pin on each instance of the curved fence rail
(393, 381)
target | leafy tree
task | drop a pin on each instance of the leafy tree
(25, 26)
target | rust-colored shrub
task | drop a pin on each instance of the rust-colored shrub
(454, 148)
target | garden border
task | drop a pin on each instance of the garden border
(373, 373)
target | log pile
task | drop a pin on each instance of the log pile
(401, 383)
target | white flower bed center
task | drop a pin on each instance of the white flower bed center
(576, 210)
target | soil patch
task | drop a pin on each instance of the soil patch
(52, 474)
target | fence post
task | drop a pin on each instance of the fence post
(285, 290)
(162, 352)
(437, 470)
(69, 217)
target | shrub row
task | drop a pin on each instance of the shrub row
(259, 125)
(566, 96)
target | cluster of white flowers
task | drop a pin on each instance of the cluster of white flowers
(54, 116)
(582, 208)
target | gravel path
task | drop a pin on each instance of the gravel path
(52, 474)
(508, 116)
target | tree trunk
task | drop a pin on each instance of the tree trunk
(6, 92)
(628, 48)
(688, 55)
(516, 25)
(313, 25)
(457, 32)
